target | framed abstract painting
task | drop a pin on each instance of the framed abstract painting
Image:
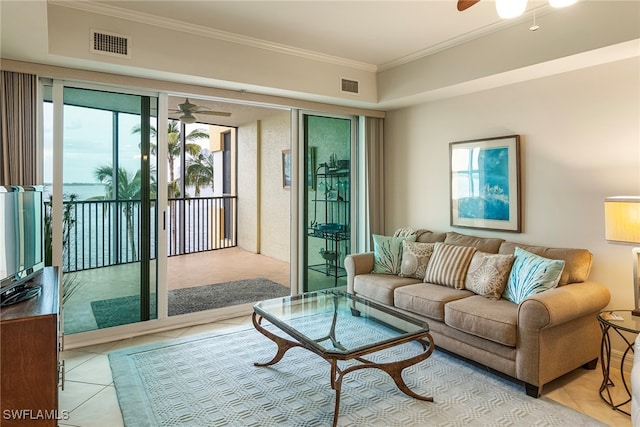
(286, 169)
(485, 183)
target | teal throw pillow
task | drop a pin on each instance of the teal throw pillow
(530, 275)
(387, 253)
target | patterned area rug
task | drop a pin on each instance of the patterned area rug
(125, 310)
(210, 380)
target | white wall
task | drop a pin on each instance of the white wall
(580, 136)
(167, 50)
(275, 200)
(264, 206)
(248, 187)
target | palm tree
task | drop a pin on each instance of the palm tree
(174, 149)
(129, 188)
(199, 171)
(70, 282)
(173, 153)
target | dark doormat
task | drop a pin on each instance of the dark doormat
(125, 310)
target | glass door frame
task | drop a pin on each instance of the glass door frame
(299, 228)
(108, 334)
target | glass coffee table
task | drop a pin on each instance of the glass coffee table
(338, 326)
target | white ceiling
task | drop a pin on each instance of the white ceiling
(371, 32)
(376, 35)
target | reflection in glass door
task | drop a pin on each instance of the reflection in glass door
(328, 146)
(109, 221)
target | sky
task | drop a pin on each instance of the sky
(87, 143)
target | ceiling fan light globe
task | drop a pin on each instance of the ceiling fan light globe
(508, 9)
(562, 3)
(188, 119)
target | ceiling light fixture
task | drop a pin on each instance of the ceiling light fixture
(187, 118)
(508, 9)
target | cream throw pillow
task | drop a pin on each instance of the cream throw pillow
(415, 258)
(488, 273)
(448, 265)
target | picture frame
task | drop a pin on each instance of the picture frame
(286, 169)
(311, 168)
(484, 183)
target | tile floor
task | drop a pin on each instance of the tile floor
(90, 398)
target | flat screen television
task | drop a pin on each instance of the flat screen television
(21, 235)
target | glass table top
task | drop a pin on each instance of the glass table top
(628, 322)
(333, 321)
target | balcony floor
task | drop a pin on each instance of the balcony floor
(199, 269)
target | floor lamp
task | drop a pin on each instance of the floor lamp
(622, 224)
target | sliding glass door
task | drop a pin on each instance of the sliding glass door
(329, 147)
(109, 220)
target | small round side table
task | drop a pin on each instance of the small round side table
(626, 323)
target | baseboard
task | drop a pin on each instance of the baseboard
(616, 359)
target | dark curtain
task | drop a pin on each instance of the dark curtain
(18, 155)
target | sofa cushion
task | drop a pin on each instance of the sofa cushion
(426, 236)
(387, 253)
(495, 320)
(483, 244)
(427, 299)
(530, 275)
(422, 236)
(415, 257)
(487, 274)
(577, 261)
(380, 287)
(448, 265)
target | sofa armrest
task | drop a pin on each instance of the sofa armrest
(558, 331)
(355, 264)
(563, 304)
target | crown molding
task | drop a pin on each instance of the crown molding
(198, 30)
(464, 38)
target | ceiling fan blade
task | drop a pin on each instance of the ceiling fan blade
(213, 113)
(466, 4)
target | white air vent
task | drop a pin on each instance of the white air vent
(349, 86)
(104, 43)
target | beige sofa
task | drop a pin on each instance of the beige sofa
(542, 338)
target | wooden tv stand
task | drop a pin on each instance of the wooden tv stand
(30, 340)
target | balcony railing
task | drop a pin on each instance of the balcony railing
(107, 232)
(201, 224)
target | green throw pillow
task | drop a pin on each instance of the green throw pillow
(387, 253)
(530, 275)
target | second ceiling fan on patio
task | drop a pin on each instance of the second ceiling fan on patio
(189, 110)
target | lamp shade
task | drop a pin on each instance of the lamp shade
(622, 219)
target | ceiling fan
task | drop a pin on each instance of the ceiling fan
(188, 110)
(466, 4)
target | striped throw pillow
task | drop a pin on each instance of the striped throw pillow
(530, 275)
(448, 265)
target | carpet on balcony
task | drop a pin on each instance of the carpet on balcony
(125, 310)
(210, 380)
